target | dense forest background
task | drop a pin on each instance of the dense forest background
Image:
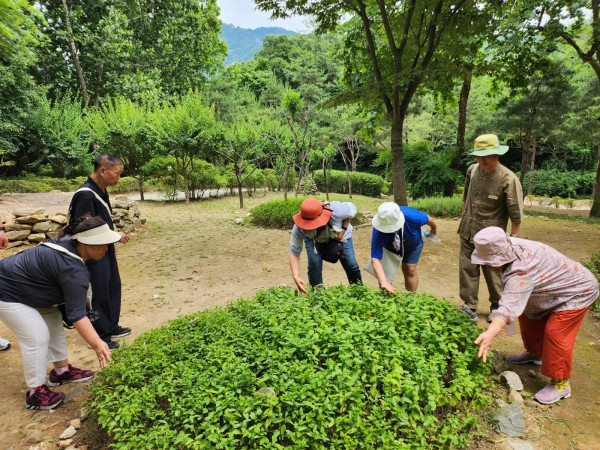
(396, 89)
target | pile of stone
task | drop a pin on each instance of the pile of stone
(33, 227)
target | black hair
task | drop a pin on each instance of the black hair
(104, 159)
(84, 223)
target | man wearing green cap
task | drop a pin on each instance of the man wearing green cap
(492, 195)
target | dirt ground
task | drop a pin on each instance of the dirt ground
(191, 257)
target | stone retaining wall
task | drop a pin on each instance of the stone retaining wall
(33, 227)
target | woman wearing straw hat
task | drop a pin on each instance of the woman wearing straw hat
(549, 294)
(319, 224)
(397, 229)
(32, 284)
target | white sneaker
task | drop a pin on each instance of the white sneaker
(4, 344)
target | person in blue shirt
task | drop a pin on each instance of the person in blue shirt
(397, 229)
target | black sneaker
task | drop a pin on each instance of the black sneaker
(121, 332)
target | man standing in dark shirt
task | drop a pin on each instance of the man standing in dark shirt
(91, 198)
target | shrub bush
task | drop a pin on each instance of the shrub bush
(440, 206)
(276, 213)
(565, 184)
(362, 183)
(343, 367)
(34, 184)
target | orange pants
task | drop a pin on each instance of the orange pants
(553, 337)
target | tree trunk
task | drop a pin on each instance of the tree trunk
(73, 48)
(595, 211)
(238, 177)
(141, 188)
(325, 180)
(286, 175)
(462, 118)
(397, 148)
(525, 157)
(532, 166)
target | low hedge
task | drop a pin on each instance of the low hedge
(337, 181)
(343, 367)
(276, 213)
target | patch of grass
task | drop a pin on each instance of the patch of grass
(439, 206)
(343, 367)
(565, 217)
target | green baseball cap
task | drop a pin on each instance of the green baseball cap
(487, 144)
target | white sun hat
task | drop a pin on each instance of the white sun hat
(389, 218)
(101, 235)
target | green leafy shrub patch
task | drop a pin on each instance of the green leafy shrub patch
(345, 367)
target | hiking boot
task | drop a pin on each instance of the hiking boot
(72, 375)
(4, 344)
(43, 398)
(550, 394)
(469, 312)
(121, 332)
(524, 358)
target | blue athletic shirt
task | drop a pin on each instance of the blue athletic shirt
(411, 234)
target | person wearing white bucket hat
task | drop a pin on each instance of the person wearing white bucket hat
(492, 195)
(397, 230)
(548, 293)
(32, 285)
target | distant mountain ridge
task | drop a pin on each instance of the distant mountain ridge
(243, 43)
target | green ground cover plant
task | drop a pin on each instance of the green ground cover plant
(343, 367)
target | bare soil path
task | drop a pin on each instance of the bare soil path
(192, 257)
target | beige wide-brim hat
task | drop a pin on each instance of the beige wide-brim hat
(493, 248)
(389, 218)
(101, 235)
(488, 144)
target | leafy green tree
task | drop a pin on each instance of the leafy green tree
(538, 109)
(576, 23)
(18, 28)
(388, 48)
(185, 130)
(280, 149)
(60, 136)
(126, 47)
(19, 97)
(243, 149)
(120, 126)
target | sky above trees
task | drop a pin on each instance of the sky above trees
(243, 14)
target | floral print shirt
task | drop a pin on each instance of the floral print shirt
(543, 281)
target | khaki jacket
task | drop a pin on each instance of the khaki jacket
(489, 200)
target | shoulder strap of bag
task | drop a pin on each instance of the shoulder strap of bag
(62, 250)
(97, 197)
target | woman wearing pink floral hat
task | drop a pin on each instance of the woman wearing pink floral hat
(549, 294)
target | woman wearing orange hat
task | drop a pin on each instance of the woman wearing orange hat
(549, 294)
(315, 226)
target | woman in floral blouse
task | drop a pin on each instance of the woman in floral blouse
(549, 294)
